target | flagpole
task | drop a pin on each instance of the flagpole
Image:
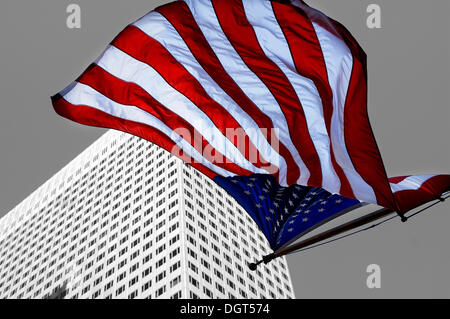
(361, 221)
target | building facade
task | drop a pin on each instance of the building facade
(126, 219)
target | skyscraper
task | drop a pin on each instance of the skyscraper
(126, 219)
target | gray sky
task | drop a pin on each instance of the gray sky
(409, 95)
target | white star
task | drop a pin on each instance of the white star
(338, 201)
(247, 192)
(258, 205)
(291, 222)
(304, 220)
(303, 205)
(265, 190)
(324, 202)
(321, 210)
(276, 204)
(290, 230)
(261, 197)
(307, 198)
(306, 211)
(291, 203)
(250, 185)
(272, 211)
(268, 218)
(295, 196)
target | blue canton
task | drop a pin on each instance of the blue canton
(284, 213)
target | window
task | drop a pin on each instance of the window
(194, 282)
(160, 276)
(231, 284)
(120, 290)
(160, 262)
(133, 295)
(175, 281)
(147, 285)
(177, 295)
(192, 295)
(160, 291)
(193, 267)
(174, 252)
(133, 281)
(175, 266)
(220, 288)
(207, 292)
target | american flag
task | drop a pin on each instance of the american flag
(272, 70)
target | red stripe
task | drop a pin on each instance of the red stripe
(310, 63)
(140, 46)
(90, 116)
(240, 33)
(179, 15)
(430, 190)
(360, 141)
(128, 93)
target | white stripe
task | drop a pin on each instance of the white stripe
(157, 27)
(250, 84)
(129, 69)
(275, 46)
(81, 94)
(339, 64)
(410, 183)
